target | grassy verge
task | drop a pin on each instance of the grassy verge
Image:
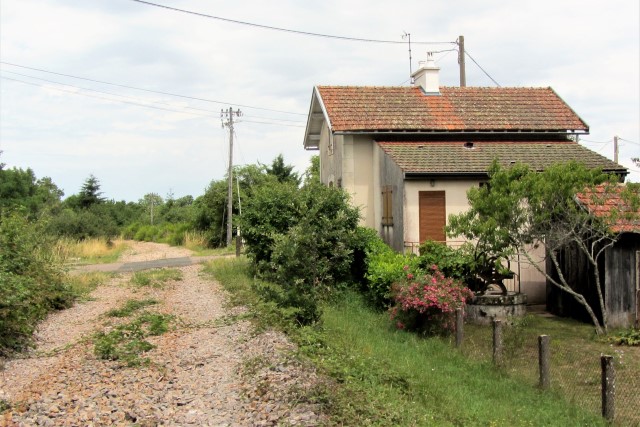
(83, 284)
(381, 376)
(90, 251)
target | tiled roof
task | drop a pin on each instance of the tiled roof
(605, 200)
(446, 157)
(375, 108)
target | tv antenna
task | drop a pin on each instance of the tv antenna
(408, 37)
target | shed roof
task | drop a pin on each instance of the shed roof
(619, 202)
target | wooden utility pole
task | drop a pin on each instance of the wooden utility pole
(463, 74)
(615, 148)
(228, 114)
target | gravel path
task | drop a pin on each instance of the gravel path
(211, 369)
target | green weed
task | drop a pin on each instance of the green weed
(155, 278)
(130, 307)
(127, 342)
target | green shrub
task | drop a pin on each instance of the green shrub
(384, 268)
(630, 337)
(32, 282)
(130, 307)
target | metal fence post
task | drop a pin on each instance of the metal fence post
(497, 342)
(459, 327)
(608, 387)
(543, 361)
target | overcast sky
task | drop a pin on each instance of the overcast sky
(140, 141)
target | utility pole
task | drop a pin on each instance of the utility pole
(463, 74)
(228, 114)
(615, 148)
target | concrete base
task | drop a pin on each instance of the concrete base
(484, 308)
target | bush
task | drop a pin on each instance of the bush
(426, 302)
(302, 240)
(384, 268)
(31, 280)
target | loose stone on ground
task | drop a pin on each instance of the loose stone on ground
(198, 373)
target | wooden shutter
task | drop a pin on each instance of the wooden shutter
(387, 205)
(433, 215)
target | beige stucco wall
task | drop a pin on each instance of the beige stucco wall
(531, 282)
(357, 175)
(455, 197)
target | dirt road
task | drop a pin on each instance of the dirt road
(209, 369)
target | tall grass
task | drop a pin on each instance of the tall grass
(89, 251)
(382, 376)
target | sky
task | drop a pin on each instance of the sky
(89, 87)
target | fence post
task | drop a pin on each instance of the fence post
(497, 342)
(543, 361)
(608, 387)
(459, 327)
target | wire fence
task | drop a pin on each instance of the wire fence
(575, 370)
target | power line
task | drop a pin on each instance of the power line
(483, 70)
(286, 30)
(144, 100)
(626, 140)
(138, 104)
(102, 97)
(150, 90)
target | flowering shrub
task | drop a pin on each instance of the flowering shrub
(426, 302)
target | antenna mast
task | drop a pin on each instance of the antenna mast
(408, 37)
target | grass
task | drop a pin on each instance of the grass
(575, 361)
(83, 284)
(90, 251)
(130, 307)
(127, 342)
(156, 278)
(381, 376)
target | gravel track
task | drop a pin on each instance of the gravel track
(211, 369)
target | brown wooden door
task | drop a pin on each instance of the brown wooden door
(433, 215)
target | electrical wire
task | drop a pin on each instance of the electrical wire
(466, 52)
(143, 100)
(102, 97)
(626, 140)
(286, 30)
(143, 105)
(151, 91)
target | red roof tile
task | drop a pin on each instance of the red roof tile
(375, 108)
(605, 200)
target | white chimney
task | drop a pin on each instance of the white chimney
(427, 76)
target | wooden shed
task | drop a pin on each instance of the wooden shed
(619, 265)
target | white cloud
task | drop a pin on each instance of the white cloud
(589, 55)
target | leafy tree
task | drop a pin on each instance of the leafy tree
(283, 172)
(90, 193)
(19, 187)
(312, 174)
(520, 208)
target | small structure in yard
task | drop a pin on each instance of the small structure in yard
(619, 265)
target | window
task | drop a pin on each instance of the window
(387, 205)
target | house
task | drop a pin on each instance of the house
(619, 265)
(408, 155)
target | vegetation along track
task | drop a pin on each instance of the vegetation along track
(207, 367)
